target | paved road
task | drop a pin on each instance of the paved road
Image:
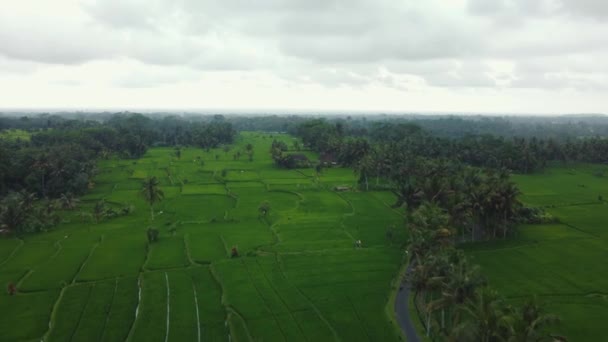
(402, 304)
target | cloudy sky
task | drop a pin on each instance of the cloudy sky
(501, 56)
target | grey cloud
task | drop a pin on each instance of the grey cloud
(581, 82)
(560, 72)
(331, 42)
(591, 8)
(407, 34)
(147, 79)
(59, 45)
(538, 8)
(123, 14)
(511, 7)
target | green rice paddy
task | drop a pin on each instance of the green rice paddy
(563, 264)
(298, 277)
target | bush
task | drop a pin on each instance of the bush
(11, 289)
(530, 215)
(152, 234)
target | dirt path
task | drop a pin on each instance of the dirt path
(402, 311)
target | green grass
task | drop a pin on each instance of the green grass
(151, 324)
(122, 310)
(26, 315)
(116, 256)
(57, 271)
(298, 276)
(206, 247)
(168, 252)
(183, 319)
(7, 248)
(69, 312)
(93, 319)
(207, 189)
(200, 208)
(560, 263)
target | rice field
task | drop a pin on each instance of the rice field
(563, 264)
(298, 276)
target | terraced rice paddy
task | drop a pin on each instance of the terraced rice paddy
(298, 277)
(563, 264)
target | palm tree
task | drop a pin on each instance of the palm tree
(364, 168)
(460, 285)
(15, 210)
(151, 193)
(509, 193)
(68, 201)
(485, 319)
(99, 210)
(531, 322)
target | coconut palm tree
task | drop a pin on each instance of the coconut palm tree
(151, 193)
(485, 319)
(68, 201)
(531, 322)
(460, 285)
(15, 210)
(364, 168)
(99, 210)
(509, 193)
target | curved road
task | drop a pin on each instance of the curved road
(402, 304)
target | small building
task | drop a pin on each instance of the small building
(342, 188)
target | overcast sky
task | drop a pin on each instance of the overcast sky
(505, 56)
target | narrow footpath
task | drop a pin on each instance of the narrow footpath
(402, 311)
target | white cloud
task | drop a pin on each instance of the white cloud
(472, 55)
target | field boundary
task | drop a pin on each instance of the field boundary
(198, 318)
(281, 298)
(361, 322)
(263, 299)
(227, 308)
(168, 306)
(232, 311)
(59, 247)
(105, 323)
(84, 262)
(187, 247)
(54, 314)
(84, 309)
(134, 324)
(10, 256)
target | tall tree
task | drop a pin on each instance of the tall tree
(152, 193)
(531, 323)
(15, 209)
(487, 319)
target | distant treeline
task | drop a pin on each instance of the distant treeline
(445, 126)
(350, 145)
(60, 156)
